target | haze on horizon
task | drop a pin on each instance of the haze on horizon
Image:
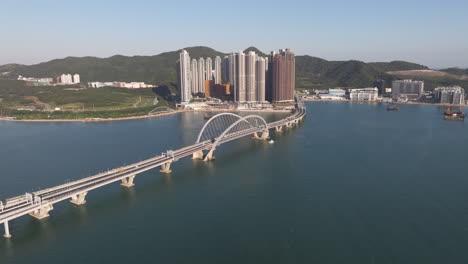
(428, 32)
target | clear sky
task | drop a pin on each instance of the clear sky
(431, 32)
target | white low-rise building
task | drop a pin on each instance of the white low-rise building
(364, 94)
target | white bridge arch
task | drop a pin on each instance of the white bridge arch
(224, 125)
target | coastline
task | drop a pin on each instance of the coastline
(86, 120)
(381, 102)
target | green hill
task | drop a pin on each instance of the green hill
(311, 72)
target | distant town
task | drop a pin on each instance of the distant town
(402, 91)
(68, 79)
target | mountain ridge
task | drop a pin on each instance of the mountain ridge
(311, 72)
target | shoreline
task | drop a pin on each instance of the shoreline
(380, 102)
(86, 120)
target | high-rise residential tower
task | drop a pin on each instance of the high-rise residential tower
(250, 91)
(239, 77)
(195, 84)
(209, 69)
(225, 70)
(283, 76)
(183, 76)
(201, 75)
(260, 73)
(217, 70)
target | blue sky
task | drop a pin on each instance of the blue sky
(434, 33)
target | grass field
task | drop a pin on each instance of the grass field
(75, 102)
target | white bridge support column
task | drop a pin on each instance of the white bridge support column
(198, 155)
(265, 135)
(279, 129)
(210, 156)
(7, 230)
(79, 199)
(128, 181)
(166, 167)
(289, 124)
(42, 212)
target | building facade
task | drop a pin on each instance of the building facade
(364, 94)
(407, 88)
(183, 76)
(250, 85)
(260, 74)
(217, 70)
(238, 74)
(194, 74)
(337, 92)
(282, 76)
(76, 78)
(226, 69)
(209, 69)
(450, 95)
(201, 75)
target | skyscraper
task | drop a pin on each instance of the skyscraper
(260, 71)
(195, 84)
(183, 76)
(201, 75)
(209, 69)
(283, 76)
(217, 70)
(225, 70)
(250, 91)
(239, 77)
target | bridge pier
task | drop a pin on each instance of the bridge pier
(265, 135)
(279, 129)
(166, 167)
(128, 181)
(7, 230)
(79, 199)
(42, 212)
(289, 124)
(198, 155)
(210, 156)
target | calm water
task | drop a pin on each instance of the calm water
(353, 184)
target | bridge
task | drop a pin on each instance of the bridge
(219, 129)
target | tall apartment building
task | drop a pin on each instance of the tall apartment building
(238, 74)
(201, 75)
(209, 69)
(225, 70)
(194, 73)
(217, 70)
(260, 74)
(408, 88)
(66, 79)
(250, 91)
(76, 78)
(282, 76)
(183, 77)
(450, 95)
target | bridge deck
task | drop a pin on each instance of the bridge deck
(18, 206)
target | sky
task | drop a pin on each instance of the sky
(433, 33)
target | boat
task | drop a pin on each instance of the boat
(271, 141)
(393, 108)
(457, 116)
